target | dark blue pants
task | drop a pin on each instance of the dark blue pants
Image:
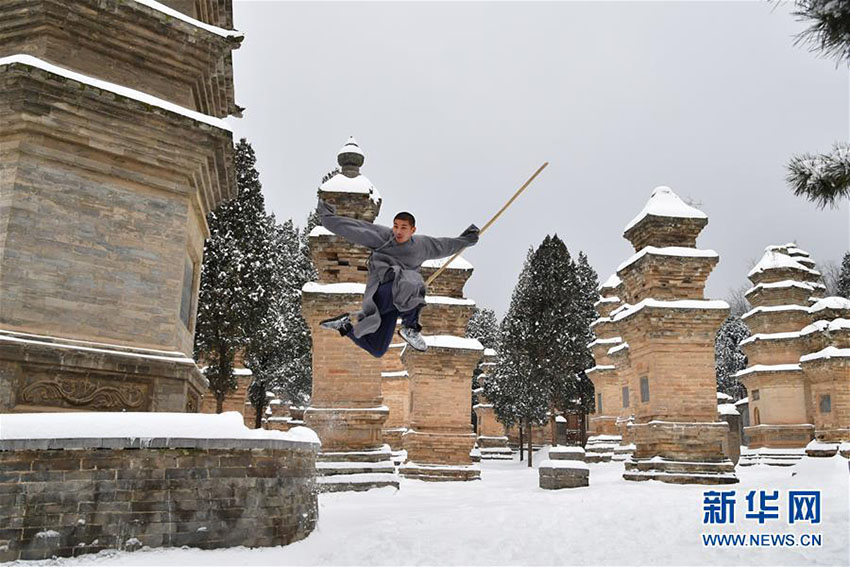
(378, 343)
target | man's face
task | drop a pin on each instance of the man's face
(402, 231)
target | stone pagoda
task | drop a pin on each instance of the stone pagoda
(784, 285)
(492, 439)
(440, 438)
(347, 410)
(669, 327)
(605, 431)
(113, 145)
(826, 368)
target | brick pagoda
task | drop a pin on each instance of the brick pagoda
(347, 410)
(670, 328)
(492, 439)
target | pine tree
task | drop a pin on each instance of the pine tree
(843, 284)
(824, 178)
(484, 327)
(728, 356)
(235, 288)
(543, 338)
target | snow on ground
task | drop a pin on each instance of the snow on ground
(505, 519)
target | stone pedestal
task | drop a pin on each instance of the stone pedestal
(440, 437)
(565, 468)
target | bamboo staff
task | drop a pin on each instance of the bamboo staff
(491, 221)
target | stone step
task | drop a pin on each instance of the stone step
(373, 456)
(440, 473)
(676, 467)
(356, 482)
(594, 457)
(681, 478)
(348, 467)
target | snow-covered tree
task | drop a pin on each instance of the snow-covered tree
(728, 356)
(484, 327)
(737, 300)
(824, 178)
(237, 276)
(842, 284)
(543, 339)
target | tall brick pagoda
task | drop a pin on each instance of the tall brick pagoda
(440, 438)
(492, 440)
(670, 328)
(784, 281)
(604, 434)
(347, 410)
(112, 152)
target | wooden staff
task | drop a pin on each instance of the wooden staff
(491, 221)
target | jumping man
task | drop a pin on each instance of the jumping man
(395, 287)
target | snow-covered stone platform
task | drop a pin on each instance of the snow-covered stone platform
(457, 523)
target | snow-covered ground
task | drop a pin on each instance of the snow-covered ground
(505, 519)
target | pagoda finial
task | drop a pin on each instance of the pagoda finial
(350, 158)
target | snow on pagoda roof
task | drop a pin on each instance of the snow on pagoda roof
(769, 368)
(490, 352)
(773, 260)
(458, 263)
(829, 326)
(319, 230)
(603, 300)
(600, 368)
(449, 341)
(183, 17)
(665, 203)
(810, 286)
(771, 337)
(316, 287)
(676, 251)
(727, 409)
(445, 300)
(117, 89)
(672, 304)
(399, 374)
(618, 348)
(351, 147)
(833, 302)
(340, 183)
(774, 308)
(610, 341)
(724, 396)
(827, 353)
(790, 248)
(612, 282)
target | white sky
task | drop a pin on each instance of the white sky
(455, 104)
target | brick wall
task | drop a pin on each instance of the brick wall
(81, 499)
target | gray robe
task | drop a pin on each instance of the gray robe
(388, 255)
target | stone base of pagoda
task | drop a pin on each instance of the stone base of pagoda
(439, 456)
(600, 448)
(792, 436)
(347, 429)
(393, 437)
(603, 425)
(345, 471)
(623, 452)
(494, 448)
(680, 453)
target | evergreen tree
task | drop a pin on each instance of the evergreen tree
(843, 284)
(484, 327)
(236, 278)
(728, 356)
(543, 339)
(824, 178)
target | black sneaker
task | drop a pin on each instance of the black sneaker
(414, 338)
(341, 323)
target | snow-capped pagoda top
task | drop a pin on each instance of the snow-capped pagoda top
(776, 266)
(665, 220)
(352, 192)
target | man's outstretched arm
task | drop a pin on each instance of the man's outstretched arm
(447, 246)
(358, 231)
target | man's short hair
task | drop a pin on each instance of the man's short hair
(407, 217)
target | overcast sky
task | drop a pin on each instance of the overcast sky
(456, 104)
